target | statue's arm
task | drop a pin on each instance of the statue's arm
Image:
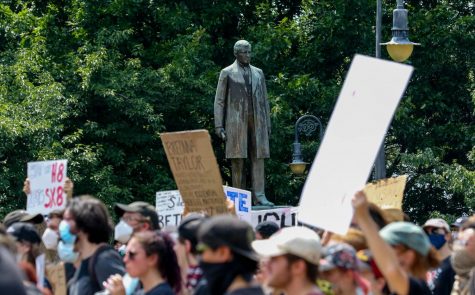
(266, 99)
(220, 104)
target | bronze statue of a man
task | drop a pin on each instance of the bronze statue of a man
(242, 119)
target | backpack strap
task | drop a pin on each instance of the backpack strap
(92, 265)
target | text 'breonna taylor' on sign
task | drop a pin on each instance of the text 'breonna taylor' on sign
(195, 170)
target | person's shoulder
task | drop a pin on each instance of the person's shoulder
(161, 289)
(108, 262)
(107, 252)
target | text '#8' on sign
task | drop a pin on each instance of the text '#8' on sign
(47, 186)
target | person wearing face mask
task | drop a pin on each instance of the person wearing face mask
(140, 216)
(227, 258)
(87, 226)
(440, 279)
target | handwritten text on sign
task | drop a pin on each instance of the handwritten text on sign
(46, 184)
(195, 170)
(170, 207)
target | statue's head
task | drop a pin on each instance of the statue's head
(242, 52)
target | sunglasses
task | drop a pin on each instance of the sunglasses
(130, 254)
(434, 230)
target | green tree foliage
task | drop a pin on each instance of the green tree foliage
(97, 81)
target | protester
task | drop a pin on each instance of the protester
(185, 249)
(28, 249)
(294, 255)
(339, 266)
(227, 259)
(22, 216)
(27, 241)
(401, 250)
(370, 271)
(87, 224)
(457, 226)
(140, 216)
(463, 260)
(440, 279)
(11, 278)
(266, 229)
(150, 258)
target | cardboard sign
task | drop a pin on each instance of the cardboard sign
(387, 193)
(284, 217)
(242, 202)
(170, 207)
(46, 184)
(57, 277)
(195, 170)
(357, 127)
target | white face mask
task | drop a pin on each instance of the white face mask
(122, 232)
(50, 239)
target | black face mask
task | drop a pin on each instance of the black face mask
(219, 276)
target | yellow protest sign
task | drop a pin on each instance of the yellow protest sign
(387, 193)
(195, 170)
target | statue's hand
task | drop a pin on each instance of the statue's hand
(221, 133)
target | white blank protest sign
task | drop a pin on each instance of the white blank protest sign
(364, 110)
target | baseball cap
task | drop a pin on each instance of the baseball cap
(23, 231)
(22, 216)
(189, 226)
(339, 255)
(299, 241)
(144, 208)
(408, 234)
(226, 230)
(437, 223)
(460, 221)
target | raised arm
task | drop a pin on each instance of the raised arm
(384, 255)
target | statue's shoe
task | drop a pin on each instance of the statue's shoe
(262, 200)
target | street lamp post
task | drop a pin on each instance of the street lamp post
(400, 49)
(308, 125)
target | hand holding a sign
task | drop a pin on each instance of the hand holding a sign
(360, 204)
(26, 187)
(68, 187)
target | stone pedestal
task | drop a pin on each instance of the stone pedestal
(282, 215)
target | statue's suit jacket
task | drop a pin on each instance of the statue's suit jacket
(231, 111)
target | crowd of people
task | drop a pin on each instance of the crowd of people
(382, 253)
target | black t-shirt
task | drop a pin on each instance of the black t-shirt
(418, 287)
(160, 289)
(108, 262)
(441, 279)
(254, 290)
